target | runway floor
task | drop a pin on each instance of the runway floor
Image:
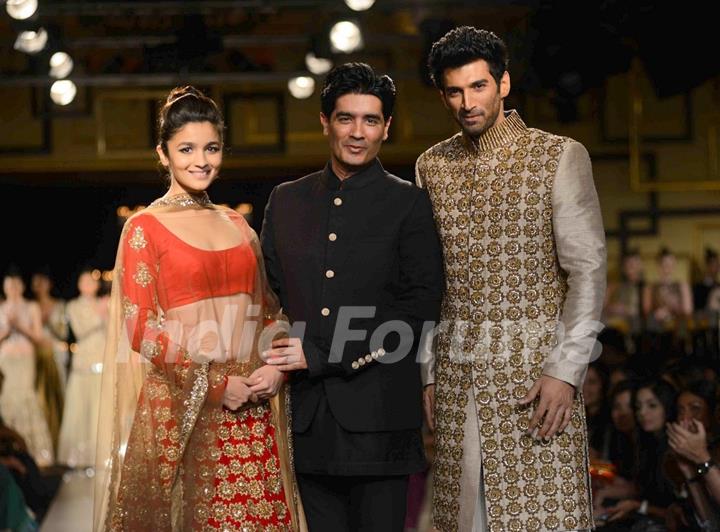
(72, 509)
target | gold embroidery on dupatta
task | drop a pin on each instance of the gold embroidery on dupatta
(192, 406)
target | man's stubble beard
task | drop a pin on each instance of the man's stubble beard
(477, 132)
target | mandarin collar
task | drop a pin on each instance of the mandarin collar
(364, 177)
(498, 135)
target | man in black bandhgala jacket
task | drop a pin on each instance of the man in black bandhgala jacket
(354, 256)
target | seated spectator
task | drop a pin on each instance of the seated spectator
(647, 505)
(619, 374)
(623, 299)
(14, 515)
(616, 346)
(709, 282)
(38, 490)
(622, 435)
(681, 372)
(621, 448)
(694, 441)
(597, 412)
(713, 303)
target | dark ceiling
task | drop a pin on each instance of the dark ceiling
(564, 45)
(560, 48)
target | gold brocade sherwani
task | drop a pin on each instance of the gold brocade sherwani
(524, 249)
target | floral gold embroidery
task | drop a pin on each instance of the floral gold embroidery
(130, 309)
(249, 493)
(149, 349)
(142, 275)
(138, 241)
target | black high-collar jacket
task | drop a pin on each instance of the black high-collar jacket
(367, 241)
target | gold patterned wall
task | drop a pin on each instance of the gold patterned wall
(266, 127)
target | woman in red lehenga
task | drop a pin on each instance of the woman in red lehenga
(193, 428)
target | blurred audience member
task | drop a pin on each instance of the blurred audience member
(622, 437)
(51, 352)
(619, 374)
(709, 282)
(14, 514)
(38, 490)
(20, 333)
(623, 300)
(682, 372)
(693, 438)
(646, 505)
(668, 301)
(597, 412)
(87, 316)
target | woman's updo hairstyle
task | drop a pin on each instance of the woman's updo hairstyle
(184, 105)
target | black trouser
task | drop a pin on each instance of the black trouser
(336, 503)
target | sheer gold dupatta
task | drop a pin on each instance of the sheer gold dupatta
(163, 380)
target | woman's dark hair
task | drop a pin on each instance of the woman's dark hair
(685, 370)
(664, 252)
(621, 448)
(604, 373)
(597, 423)
(651, 449)
(13, 271)
(87, 268)
(43, 271)
(357, 78)
(465, 45)
(632, 252)
(628, 385)
(665, 393)
(705, 390)
(629, 254)
(182, 106)
(710, 254)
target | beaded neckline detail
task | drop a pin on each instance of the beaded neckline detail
(183, 200)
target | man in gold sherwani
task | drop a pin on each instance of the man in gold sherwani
(524, 248)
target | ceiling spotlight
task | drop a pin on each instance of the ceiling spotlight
(31, 42)
(21, 9)
(61, 64)
(359, 5)
(301, 87)
(345, 37)
(63, 92)
(317, 65)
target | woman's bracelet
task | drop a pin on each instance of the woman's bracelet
(704, 467)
